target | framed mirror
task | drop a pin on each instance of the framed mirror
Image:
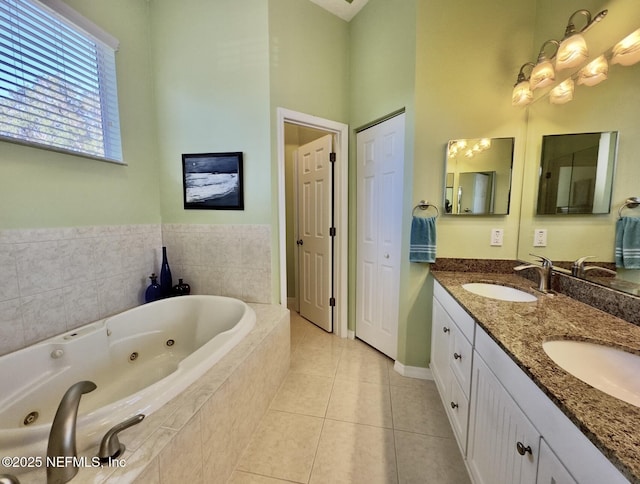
(478, 176)
(576, 173)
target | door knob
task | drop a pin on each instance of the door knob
(386, 256)
(522, 450)
(299, 242)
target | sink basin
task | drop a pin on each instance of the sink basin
(608, 369)
(496, 291)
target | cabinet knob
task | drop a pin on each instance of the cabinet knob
(454, 405)
(457, 356)
(522, 450)
(386, 255)
(445, 329)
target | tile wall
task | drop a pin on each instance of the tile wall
(225, 260)
(54, 280)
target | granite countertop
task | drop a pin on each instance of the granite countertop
(521, 328)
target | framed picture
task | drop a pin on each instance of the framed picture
(213, 181)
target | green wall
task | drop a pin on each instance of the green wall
(211, 68)
(40, 188)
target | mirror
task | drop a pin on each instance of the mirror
(611, 105)
(478, 176)
(576, 173)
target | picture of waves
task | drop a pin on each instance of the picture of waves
(213, 181)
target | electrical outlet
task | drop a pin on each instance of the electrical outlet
(496, 237)
(540, 238)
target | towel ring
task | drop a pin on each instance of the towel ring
(631, 202)
(422, 205)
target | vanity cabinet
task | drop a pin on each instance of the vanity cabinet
(452, 354)
(508, 430)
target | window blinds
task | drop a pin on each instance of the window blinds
(57, 83)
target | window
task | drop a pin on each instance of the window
(57, 80)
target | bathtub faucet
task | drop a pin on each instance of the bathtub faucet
(62, 438)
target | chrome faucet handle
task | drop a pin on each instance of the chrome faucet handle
(580, 262)
(578, 268)
(543, 260)
(110, 447)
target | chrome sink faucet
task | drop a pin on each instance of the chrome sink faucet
(578, 269)
(544, 272)
(62, 438)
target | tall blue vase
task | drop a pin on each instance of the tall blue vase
(165, 275)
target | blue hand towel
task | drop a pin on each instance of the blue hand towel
(628, 243)
(423, 240)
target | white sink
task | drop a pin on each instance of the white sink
(496, 291)
(608, 369)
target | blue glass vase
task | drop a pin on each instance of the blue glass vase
(166, 284)
(154, 291)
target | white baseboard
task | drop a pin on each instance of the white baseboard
(291, 303)
(413, 371)
(351, 334)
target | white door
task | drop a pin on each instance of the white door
(315, 195)
(380, 164)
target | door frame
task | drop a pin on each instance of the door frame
(340, 133)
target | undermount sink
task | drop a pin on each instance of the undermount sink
(497, 291)
(608, 369)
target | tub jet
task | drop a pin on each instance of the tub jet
(30, 418)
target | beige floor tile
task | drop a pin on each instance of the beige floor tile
(426, 459)
(239, 477)
(315, 336)
(360, 402)
(304, 394)
(283, 446)
(316, 360)
(352, 453)
(419, 409)
(368, 367)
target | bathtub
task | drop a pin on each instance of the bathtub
(139, 360)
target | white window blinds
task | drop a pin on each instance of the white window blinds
(57, 82)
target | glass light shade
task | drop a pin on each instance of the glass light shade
(469, 154)
(562, 93)
(572, 52)
(542, 75)
(594, 72)
(485, 143)
(461, 144)
(476, 148)
(522, 94)
(627, 51)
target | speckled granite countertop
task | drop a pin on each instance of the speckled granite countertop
(521, 328)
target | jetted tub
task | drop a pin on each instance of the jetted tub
(139, 360)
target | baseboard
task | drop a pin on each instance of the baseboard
(291, 303)
(351, 334)
(413, 371)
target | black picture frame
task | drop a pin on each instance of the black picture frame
(212, 181)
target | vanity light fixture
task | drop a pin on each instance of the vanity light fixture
(573, 49)
(562, 93)
(543, 73)
(594, 72)
(627, 51)
(485, 143)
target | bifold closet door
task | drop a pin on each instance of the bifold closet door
(380, 167)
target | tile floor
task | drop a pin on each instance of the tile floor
(343, 415)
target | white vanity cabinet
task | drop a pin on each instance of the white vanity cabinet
(451, 360)
(508, 430)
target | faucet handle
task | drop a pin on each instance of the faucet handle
(545, 262)
(580, 262)
(110, 447)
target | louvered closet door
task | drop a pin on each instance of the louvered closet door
(380, 167)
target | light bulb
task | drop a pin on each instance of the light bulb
(627, 51)
(542, 75)
(562, 93)
(572, 52)
(594, 72)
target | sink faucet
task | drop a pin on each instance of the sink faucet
(544, 272)
(578, 269)
(62, 438)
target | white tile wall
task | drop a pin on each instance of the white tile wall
(224, 260)
(54, 280)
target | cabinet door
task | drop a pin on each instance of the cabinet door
(503, 444)
(440, 336)
(550, 469)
